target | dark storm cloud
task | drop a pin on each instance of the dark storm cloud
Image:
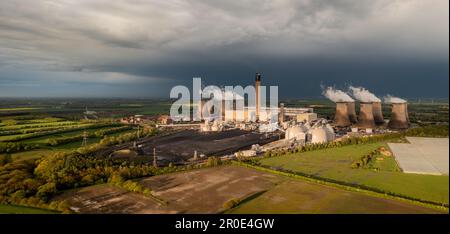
(142, 48)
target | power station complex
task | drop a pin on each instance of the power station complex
(251, 130)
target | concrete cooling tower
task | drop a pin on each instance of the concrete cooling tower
(377, 113)
(341, 119)
(365, 118)
(399, 116)
(351, 112)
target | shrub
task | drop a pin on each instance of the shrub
(46, 190)
(231, 203)
(213, 161)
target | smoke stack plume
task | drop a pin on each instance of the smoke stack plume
(341, 118)
(363, 95)
(336, 95)
(352, 112)
(378, 113)
(365, 118)
(399, 116)
(391, 99)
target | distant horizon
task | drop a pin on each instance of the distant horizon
(168, 99)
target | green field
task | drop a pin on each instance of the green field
(298, 197)
(11, 209)
(335, 164)
(49, 150)
(39, 130)
(19, 109)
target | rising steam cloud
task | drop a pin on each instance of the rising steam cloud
(336, 95)
(391, 99)
(363, 95)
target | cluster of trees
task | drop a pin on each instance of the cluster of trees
(26, 131)
(364, 160)
(58, 131)
(429, 131)
(99, 133)
(19, 186)
(102, 133)
(63, 140)
(213, 161)
(334, 144)
(231, 203)
(35, 182)
(37, 125)
(5, 159)
(129, 185)
(29, 119)
(11, 147)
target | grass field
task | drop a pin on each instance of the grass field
(335, 164)
(294, 197)
(49, 150)
(12, 127)
(19, 109)
(11, 209)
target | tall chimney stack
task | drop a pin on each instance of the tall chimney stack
(365, 118)
(377, 113)
(281, 114)
(399, 116)
(341, 119)
(351, 112)
(257, 84)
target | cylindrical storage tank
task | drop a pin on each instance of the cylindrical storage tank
(352, 112)
(330, 133)
(399, 116)
(377, 113)
(319, 135)
(341, 119)
(365, 117)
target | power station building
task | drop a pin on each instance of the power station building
(257, 113)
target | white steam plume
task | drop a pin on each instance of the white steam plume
(336, 95)
(391, 99)
(363, 95)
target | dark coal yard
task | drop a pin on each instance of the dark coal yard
(179, 147)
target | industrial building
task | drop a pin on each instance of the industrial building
(256, 114)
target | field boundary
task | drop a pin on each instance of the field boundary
(346, 186)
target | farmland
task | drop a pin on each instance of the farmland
(210, 190)
(43, 164)
(335, 165)
(57, 135)
(11, 209)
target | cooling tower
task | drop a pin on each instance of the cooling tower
(377, 113)
(365, 118)
(399, 116)
(341, 119)
(351, 112)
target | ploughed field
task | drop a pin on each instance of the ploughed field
(207, 190)
(180, 146)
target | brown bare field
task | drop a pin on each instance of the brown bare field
(206, 190)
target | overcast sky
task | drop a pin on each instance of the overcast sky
(136, 48)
